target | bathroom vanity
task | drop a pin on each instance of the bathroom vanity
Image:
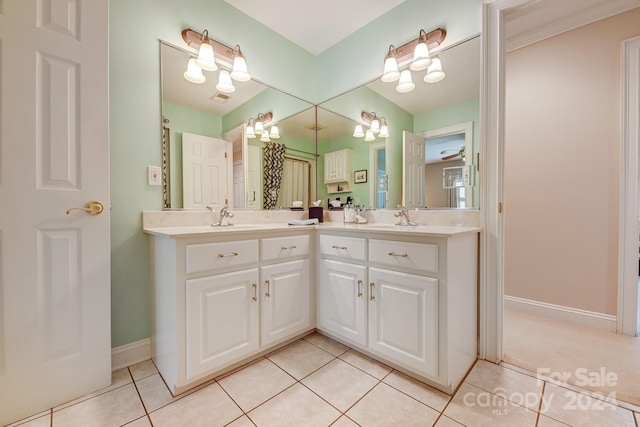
(404, 295)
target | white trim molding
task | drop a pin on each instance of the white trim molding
(629, 186)
(590, 319)
(130, 354)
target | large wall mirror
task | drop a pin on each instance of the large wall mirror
(436, 124)
(193, 113)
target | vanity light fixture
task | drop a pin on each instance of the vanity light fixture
(434, 73)
(225, 85)
(210, 52)
(256, 128)
(416, 53)
(377, 126)
(194, 72)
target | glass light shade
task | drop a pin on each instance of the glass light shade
(369, 136)
(384, 131)
(375, 126)
(259, 126)
(225, 84)
(249, 132)
(274, 133)
(391, 73)
(421, 59)
(265, 137)
(206, 59)
(194, 72)
(405, 84)
(239, 71)
(358, 132)
(434, 73)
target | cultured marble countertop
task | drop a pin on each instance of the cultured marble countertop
(420, 230)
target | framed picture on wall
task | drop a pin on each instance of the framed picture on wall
(360, 177)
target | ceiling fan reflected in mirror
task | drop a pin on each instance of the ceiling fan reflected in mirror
(456, 153)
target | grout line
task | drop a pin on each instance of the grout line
(140, 397)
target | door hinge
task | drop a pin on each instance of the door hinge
(478, 162)
(226, 201)
(499, 207)
(225, 154)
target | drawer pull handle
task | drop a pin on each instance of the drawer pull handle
(268, 293)
(286, 248)
(405, 255)
(372, 297)
(255, 292)
(339, 247)
(227, 255)
(359, 288)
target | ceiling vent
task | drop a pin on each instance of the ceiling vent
(220, 97)
(315, 126)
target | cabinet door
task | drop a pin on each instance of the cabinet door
(342, 307)
(403, 319)
(329, 167)
(285, 300)
(222, 320)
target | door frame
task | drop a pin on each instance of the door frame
(492, 119)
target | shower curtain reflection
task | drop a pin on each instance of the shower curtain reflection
(295, 183)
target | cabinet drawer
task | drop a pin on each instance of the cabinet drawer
(284, 247)
(210, 256)
(344, 247)
(418, 256)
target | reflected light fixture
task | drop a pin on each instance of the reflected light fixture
(256, 128)
(194, 72)
(225, 85)
(211, 52)
(377, 126)
(416, 53)
(434, 73)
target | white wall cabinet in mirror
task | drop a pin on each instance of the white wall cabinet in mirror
(202, 109)
(429, 107)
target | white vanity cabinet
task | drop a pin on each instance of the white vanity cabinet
(221, 298)
(417, 308)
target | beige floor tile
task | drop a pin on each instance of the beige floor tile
(385, 406)
(418, 390)
(119, 378)
(447, 422)
(637, 416)
(296, 406)
(243, 421)
(208, 407)
(367, 364)
(301, 358)
(340, 384)
(574, 408)
(114, 408)
(517, 387)
(42, 419)
(326, 343)
(344, 421)
(473, 407)
(140, 422)
(256, 383)
(143, 370)
(549, 422)
(154, 392)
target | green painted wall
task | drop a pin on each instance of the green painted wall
(135, 105)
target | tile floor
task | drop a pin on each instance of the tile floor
(318, 382)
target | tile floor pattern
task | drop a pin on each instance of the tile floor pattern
(316, 381)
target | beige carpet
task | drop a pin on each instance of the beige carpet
(590, 357)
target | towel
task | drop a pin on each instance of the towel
(312, 221)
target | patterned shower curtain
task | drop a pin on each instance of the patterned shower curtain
(273, 165)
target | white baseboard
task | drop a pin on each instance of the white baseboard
(590, 319)
(130, 354)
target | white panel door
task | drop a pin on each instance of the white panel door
(207, 172)
(285, 300)
(343, 300)
(403, 319)
(254, 178)
(55, 339)
(413, 170)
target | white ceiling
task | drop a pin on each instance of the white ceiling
(315, 25)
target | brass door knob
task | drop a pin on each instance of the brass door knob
(92, 208)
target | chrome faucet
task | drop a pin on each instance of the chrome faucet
(403, 214)
(225, 214)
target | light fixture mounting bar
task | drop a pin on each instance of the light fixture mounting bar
(368, 117)
(265, 118)
(434, 39)
(223, 53)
